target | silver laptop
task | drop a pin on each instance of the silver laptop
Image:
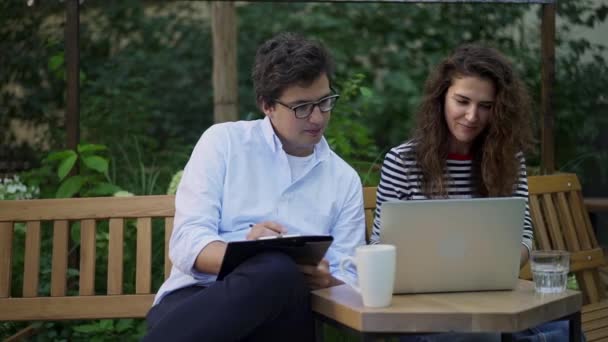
(454, 244)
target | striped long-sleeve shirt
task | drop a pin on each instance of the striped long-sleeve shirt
(400, 180)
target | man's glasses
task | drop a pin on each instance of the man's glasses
(303, 110)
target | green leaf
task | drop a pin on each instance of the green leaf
(366, 92)
(56, 61)
(123, 325)
(66, 165)
(106, 324)
(104, 189)
(59, 155)
(96, 163)
(83, 148)
(70, 187)
(87, 328)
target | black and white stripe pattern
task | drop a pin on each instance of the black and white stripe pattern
(400, 180)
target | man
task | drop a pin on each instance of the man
(250, 179)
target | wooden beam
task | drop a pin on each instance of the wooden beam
(225, 87)
(72, 56)
(547, 93)
(75, 307)
(87, 208)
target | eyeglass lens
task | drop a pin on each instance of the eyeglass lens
(325, 105)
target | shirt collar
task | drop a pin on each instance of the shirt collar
(321, 149)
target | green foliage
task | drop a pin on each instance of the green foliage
(14, 189)
(96, 330)
(177, 177)
(135, 175)
(347, 134)
(91, 180)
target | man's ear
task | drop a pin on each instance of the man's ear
(267, 109)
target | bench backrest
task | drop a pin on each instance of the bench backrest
(119, 220)
(558, 212)
(561, 222)
(54, 219)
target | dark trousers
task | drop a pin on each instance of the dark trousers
(264, 299)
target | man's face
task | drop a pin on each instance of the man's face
(299, 136)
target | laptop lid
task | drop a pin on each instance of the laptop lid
(454, 244)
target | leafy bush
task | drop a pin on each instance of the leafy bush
(14, 189)
(91, 180)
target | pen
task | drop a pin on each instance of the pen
(251, 225)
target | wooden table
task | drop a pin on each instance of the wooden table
(490, 311)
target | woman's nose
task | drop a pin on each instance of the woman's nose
(472, 114)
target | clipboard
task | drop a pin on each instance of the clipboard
(305, 250)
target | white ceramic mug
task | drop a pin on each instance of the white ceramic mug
(376, 272)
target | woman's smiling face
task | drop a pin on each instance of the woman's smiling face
(468, 107)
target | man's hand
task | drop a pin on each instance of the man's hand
(266, 228)
(318, 277)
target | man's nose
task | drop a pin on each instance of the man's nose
(316, 116)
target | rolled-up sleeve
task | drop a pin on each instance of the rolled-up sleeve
(348, 231)
(198, 201)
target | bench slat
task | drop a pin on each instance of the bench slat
(31, 264)
(143, 276)
(6, 258)
(87, 258)
(115, 256)
(369, 203)
(60, 258)
(553, 222)
(539, 224)
(168, 230)
(552, 184)
(595, 324)
(597, 335)
(74, 307)
(87, 208)
(567, 223)
(580, 211)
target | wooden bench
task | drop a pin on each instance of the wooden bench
(561, 222)
(53, 218)
(556, 205)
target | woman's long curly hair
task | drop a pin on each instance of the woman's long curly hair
(495, 168)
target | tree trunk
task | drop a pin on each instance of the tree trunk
(225, 88)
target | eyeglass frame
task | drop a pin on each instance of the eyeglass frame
(314, 104)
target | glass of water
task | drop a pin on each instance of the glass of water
(550, 270)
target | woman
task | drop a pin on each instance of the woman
(471, 130)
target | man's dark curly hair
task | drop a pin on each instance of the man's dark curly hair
(285, 60)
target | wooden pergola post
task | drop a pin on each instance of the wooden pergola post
(72, 69)
(547, 94)
(225, 87)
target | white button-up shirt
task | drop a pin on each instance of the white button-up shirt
(237, 175)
